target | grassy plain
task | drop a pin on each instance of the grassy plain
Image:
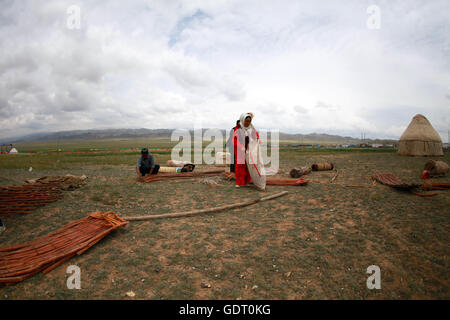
(314, 243)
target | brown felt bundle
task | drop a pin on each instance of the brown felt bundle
(436, 168)
(322, 166)
(298, 172)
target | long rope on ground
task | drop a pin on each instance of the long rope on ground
(335, 176)
(209, 210)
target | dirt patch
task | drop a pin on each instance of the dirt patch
(315, 243)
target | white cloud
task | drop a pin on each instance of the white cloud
(299, 66)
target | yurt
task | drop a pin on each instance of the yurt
(420, 139)
(13, 151)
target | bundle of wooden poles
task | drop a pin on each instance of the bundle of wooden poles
(24, 199)
(436, 185)
(19, 262)
(189, 175)
(286, 182)
(275, 181)
(181, 175)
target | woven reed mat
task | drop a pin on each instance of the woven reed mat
(21, 261)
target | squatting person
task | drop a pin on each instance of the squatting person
(146, 164)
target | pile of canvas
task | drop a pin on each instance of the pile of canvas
(392, 181)
(222, 159)
(177, 163)
(434, 169)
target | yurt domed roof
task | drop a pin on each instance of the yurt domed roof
(420, 129)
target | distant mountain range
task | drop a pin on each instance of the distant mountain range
(94, 134)
(166, 133)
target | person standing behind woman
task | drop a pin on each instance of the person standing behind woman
(231, 147)
(249, 166)
(2, 227)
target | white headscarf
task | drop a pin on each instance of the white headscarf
(242, 119)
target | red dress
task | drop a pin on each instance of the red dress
(241, 170)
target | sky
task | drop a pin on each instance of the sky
(337, 67)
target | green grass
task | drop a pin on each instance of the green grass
(324, 235)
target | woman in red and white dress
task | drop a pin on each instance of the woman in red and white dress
(249, 167)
